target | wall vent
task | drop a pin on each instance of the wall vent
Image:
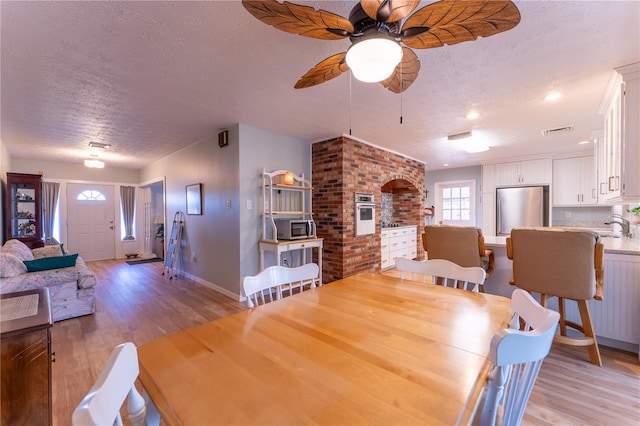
(557, 131)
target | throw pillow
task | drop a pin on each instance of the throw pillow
(11, 265)
(53, 262)
(18, 248)
(47, 251)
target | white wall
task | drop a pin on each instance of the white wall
(74, 171)
(225, 240)
(262, 149)
(5, 164)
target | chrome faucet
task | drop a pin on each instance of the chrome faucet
(624, 224)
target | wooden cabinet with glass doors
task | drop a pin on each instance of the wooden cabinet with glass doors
(23, 209)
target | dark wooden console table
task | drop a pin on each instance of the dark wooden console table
(25, 330)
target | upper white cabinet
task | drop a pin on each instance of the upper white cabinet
(488, 199)
(523, 172)
(620, 153)
(574, 181)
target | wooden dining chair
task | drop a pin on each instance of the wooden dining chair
(276, 280)
(567, 264)
(462, 245)
(516, 355)
(114, 385)
(442, 272)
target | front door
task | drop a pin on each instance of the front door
(91, 226)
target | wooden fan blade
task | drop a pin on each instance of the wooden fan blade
(405, 73)
(326, 70)
(388, 10)
(455, 21)
(303, 20)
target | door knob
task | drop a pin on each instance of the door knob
(111, 227)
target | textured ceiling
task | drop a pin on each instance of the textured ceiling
(153, 77)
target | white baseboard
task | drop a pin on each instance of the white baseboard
(214, 287)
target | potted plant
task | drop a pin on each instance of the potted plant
(636, 214)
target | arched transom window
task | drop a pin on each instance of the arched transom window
(90, 195)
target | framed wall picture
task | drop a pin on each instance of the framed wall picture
(194, 198)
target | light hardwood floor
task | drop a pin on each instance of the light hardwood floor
(138, 304)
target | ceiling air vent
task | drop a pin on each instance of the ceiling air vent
(557, 131)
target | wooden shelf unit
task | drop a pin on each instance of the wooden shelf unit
(284, 200)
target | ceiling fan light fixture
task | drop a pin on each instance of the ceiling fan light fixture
(374, 59)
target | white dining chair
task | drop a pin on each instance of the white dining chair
(114, 385)
(278, 280)
(442, 272)
(516, 356)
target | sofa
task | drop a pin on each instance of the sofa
(71, 284)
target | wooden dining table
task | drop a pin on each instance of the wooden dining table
(367, 349)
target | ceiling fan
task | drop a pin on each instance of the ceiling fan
(374, 27)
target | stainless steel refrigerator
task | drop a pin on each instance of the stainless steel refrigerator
(521, 206)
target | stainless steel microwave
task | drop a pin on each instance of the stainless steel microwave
(295, 229)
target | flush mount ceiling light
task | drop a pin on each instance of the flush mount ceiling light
(374, 59)
(465, 142)
(99, 145)
(553, 96)
(96, 164)
(473, 115)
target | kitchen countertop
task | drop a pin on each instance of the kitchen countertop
(611, 245)
(390, 228)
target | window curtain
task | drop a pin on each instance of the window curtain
(50, 191)
(128, 200)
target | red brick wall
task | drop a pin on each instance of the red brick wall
(341, 167)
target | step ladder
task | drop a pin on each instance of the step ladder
(172, 257)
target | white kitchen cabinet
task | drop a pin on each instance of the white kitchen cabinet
(489, 213)
(617, 316)
(574, 181)
(489, 178)
(488, 199)
(397, 242)
(530, 172)
(597, 136)
(385, 260)
(620, 180)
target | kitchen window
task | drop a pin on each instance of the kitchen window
(455, 202)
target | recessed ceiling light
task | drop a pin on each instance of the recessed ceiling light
(583, 142)
(99, 145)
(473, 115)
(553, 96)
(446, 164)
